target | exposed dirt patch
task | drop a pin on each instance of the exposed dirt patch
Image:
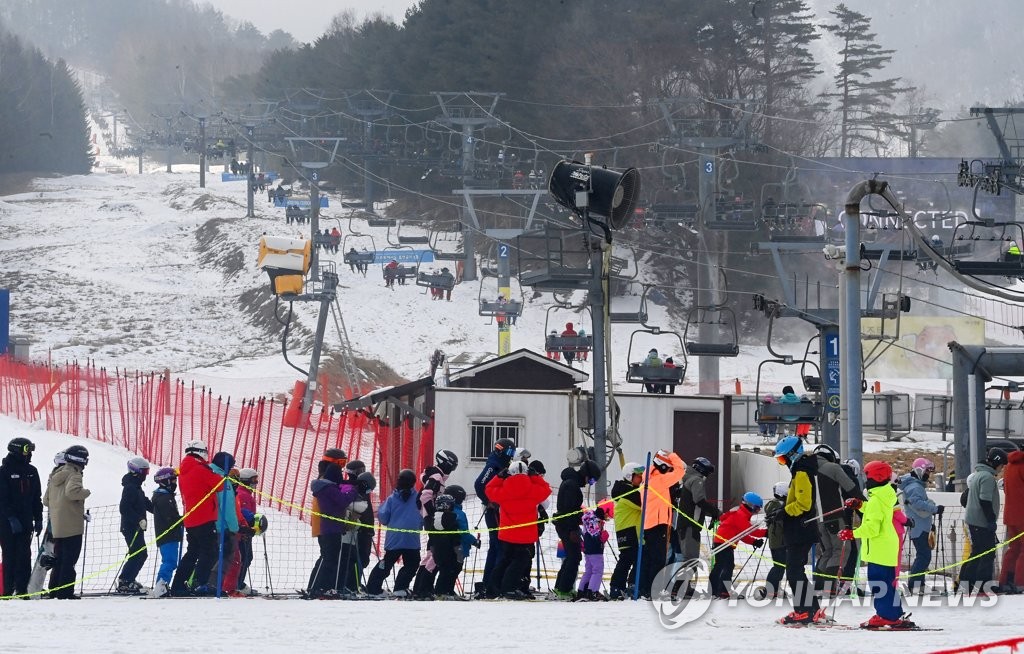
(259, 305)
(11, 183)
(218, 249)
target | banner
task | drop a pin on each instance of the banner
(921, 349)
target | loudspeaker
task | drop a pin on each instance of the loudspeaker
(609, 193)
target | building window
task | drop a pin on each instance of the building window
(484, 431)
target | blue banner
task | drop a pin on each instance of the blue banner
(5, 319)
(228, 177)
(286, 201)
(403, 256)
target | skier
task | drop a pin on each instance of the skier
(466, 541)
(594, 538)
(920, 509)
(776, 543)
(734, 522)
(666, 471)
(248, 478)
(517, 493)
(800, 535)
(441, 525)
(567, 520)
(1011, 575)
(333, 495)
(229, 522)
(434, 479)
(401, 516)
(694, 509)
(134, 507)
(497, 461)
(881, 547)
(833, 487)
(981, 515)
(65, 498)
(199, 485)
(626, 493)
(21, 513)
(168, 526)
(351, 570)
(364, 533)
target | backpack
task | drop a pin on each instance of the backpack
(963, 498)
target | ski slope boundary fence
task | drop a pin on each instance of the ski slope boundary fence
(155, 416)
(1014, 644)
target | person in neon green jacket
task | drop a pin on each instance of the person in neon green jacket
(626, 493)
(880, 547)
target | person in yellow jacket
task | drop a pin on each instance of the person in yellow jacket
(879, 547)
(666, 471)
(626, 493)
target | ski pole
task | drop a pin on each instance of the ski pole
(266, 563)
(735, 539)
(85, 545)
(819, 518)
(744, 566)
(639, 580)
(757, 568)
(839, 581)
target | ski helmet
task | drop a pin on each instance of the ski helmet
(780, 490)
(854, 466)
(589, 472)
(77, 454)
(522, 454)
(921, 467)
(661, 462)
(996, 457)
(444, 502)
(703, 466)
(248, 476)
(447, 461)
(753, 501)
(224, 461)
(879, 472)
(827, 452)
(259, 523)
(406, 479)
(22, 446)
(457, 492)
(335, 455)
(788, 449)
(196, 447)
(165, 477)
(505, 446)
(58, 458)
(138, 466)
(518, 468)
(632, 469)
(355, 467)
(366, 481)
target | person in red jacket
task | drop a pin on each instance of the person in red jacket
(1012, 571)
(734, 528)
(197, 482)
(569, 332)
(517, 491)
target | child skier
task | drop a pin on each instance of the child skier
(734, 527)
(880, 547)
(402, 541)
(168, 526)
(466, 541)
(776, 542)
(134, 506)
(248, 478)
(445, 546)
(594, 538)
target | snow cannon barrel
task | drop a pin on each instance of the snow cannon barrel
(286, 261)
(293, 414)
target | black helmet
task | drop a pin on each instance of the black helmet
(703, 466)
(996, 457)
(366, 481)
(505, 446)
(78, 455)
(22, 446)
(458, 493)
(827, 452)
(355, 467)
(444, 502)
(447, 461)
(429, 472)
(406, 479)
(589, 472)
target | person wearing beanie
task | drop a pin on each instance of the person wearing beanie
(334, 495)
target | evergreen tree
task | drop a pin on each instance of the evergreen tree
(862, 101)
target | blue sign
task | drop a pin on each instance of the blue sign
(709, 167)
(295, 202)
(503, 250)
(228, 177)
(833, 375)
(5, 319)
(403, 256)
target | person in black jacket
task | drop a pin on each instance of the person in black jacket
(695, 509)
(170, 530)
(567, 520)
(21, 513)
(799, 527)
(834, 487)
(134, 507)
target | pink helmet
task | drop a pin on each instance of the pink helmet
(922, 466)
(768, 398)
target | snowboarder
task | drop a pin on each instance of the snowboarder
(65, 498)
(134, 507)
(21, 513)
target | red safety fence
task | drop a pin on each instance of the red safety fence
(155, 416)
(1013, 643)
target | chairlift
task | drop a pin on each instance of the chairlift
(416, 238)
(673, 207)
(1006, 264)
(442, 280)
(732, 215)
(618, 313)
(619, 266)
(723, 320)
(394, 253)
(805, 412)
(437, 236)
(655, 376)
(811, 378)
(499, 307)
(554, 342)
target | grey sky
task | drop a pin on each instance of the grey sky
(304, 19)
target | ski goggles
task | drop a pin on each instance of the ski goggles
(782, 459)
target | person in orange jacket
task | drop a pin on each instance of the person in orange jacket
(666, 471)
(734, 528)
(517, 491)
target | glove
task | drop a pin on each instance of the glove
(759, 543)
(846, 534)
(939, 509)
(87, 517)
(477, 543)
(503, 474)
(38, 527)
(16, 527)
(853, 503)
(143, 524)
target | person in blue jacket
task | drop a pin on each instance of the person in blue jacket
(497, 461)
(920, 509)
(401, 515)
(227, 515)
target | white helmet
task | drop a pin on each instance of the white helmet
(518, 468)
(247, 475)
(58, 458)
(138, 465)
(521, 454)
(196, 447)
(632, 468)
(780, 490)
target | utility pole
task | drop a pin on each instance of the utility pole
(202, 152)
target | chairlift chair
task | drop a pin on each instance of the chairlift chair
(1007, 265)
(389, 253)
(637, 372)
(496, 308)
(619, 315)
(436, 236)
(444, 281)
(415, 238)
(719, 316)
(379, 221)
(809, 412)
(732, 215)
(557, 343)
